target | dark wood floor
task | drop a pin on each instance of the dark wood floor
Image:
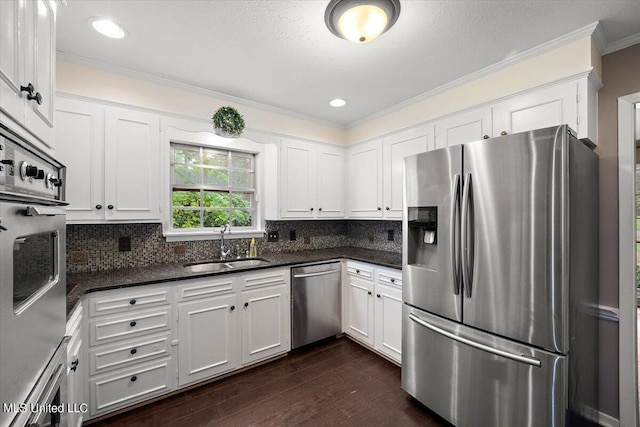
(335, 383)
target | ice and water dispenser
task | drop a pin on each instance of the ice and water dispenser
(423, 236)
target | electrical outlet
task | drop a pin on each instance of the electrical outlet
(272, 236)
(80, 257)
(179, 250)
(307, 240)
(124, 244)
(371, 238)
(390, 234)
(292, 234)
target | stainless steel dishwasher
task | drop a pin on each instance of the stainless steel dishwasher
(315, 303)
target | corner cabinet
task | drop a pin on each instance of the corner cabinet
(312, 180)
(27, 66)
(113, 160)
(364, 176)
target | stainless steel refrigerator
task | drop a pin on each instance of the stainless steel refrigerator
(500, 266)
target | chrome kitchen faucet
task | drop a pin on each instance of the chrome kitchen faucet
(223, 253)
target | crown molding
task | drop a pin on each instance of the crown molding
(174, 84)
(578, 34)
(622, 44)
(600, 39)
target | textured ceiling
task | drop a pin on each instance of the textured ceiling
(280, 53)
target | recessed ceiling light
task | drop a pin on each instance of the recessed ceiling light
(108, 28)
(338, 102)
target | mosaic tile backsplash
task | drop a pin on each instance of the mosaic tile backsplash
(96, 247)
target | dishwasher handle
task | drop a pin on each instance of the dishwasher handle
(320, 273)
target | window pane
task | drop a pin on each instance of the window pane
(216, 177)
(241, 200)
(241, 179)
(186, 175)
(183, 218)
(186, 198)
(215, 158)
(240, 161)
(216, 199)
(186, 156)
(216, 218)
(242, 218)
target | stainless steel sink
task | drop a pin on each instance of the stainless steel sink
(208, 267)
(217, 266)
(254, 262)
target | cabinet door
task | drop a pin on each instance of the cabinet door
(132, 165)
(80, 147)
(364, 178)
(395, 149)
(388, 321)
(465, 127)
(298, 180)
(265, 323)
(76, 368)
(208, 338)
(359, 309)
(543, 108)
(330, 181)
(40, 64)
(11, 15)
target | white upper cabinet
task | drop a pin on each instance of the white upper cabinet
(364, 179)
(312, 180)
(567, 103)
(464, 127)
(132, 165)
(113, 160)
(27, 66)
(395, 148)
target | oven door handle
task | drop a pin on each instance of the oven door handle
(44, 211)
(48, 394)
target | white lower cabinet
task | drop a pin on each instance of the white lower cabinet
(372, 307)
(76, 368)
(208, 331)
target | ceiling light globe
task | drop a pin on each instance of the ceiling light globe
(361, 21)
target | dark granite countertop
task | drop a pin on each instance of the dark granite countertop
(80, 283)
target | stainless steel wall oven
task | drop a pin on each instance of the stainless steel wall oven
(32, 274)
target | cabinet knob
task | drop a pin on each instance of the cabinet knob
(233, 307)
(133, 351)
(369, 292)
(393, 280)
(503, 133)
(379, 208)
(74, 365)
(246, 304)
(311, 209)
(133, 379)
(132, 302)
(387, 208)
(28, 88)
(37, 97)
(485, 137)
(320, 209)
(132, 324)
(357, 271)
(110, 207)
(378, 295)
(98, 207)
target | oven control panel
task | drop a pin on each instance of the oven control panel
(23, 171)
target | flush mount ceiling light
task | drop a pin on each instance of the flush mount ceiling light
(361, 21)
(107, 28)
(338, 102)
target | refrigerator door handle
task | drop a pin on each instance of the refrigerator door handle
(453, 240)
(517, 357)
(466, 259)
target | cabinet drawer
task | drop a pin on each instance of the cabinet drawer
(392, 278)
(125, 387)
(199, 289)
(123, 354)
(124, 301)
(265, 278)
(130, 325)
(360, 270)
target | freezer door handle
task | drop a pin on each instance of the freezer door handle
(454, 234)
(517, 357)
(465, 237)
